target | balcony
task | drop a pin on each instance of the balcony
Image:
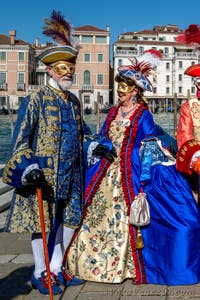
(3, 87)
(21, 86)
(188, 55)
(87, 88)
(127, 53)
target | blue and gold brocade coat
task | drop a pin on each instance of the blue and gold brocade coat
(48, 132)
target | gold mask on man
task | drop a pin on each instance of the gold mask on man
(63, 68)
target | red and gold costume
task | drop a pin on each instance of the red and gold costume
(188, 135)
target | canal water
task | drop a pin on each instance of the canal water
(165, 120)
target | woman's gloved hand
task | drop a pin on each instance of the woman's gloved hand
(35, 177)
(102, 150)
(196, 166)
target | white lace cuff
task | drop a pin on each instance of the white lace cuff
(91, 159)
(26, 171)
(194, 157)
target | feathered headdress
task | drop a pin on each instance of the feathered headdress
(190, 37)
(59, 29)
(142, 67)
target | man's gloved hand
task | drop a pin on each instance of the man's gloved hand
(35, 177)
(196, 166)
(102, 150)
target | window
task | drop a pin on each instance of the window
(86, 77)
(141, 49)
(86, 57)
(167, 66)
(21, 56)
(166, 51)
(100, 57)
(2, 101)
(100, 39)
(100, 79)
(87, 39)
(74, 78)
(2, 77)
(86, 99)
(180, 64)
(20, 77)
(2, 55)
(167, 90)
(180, 77)
(180, 89)
(75, 39)
(193, 89)
(20, 100)
(119, 62)
(154, 90)
(167, 78)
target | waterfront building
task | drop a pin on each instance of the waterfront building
(94, 83)
(17, 70)
(92, 78)
(91, 81)
(170, 79)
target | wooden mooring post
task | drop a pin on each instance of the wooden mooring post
(98, 113)
(175, 113)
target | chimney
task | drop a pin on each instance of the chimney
(108, 28)
(12, 36)
(37, 42)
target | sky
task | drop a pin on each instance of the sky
(26, 17)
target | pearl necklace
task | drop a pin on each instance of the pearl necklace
(125, 113)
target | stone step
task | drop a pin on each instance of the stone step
(4, 187)
(5, 200)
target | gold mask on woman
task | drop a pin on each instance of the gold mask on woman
(125, 88)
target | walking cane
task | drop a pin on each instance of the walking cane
(46, 254)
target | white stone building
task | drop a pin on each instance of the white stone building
(170, 81)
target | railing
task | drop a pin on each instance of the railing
(87, 88)
(32, 88)
(3, 86)
(126, 53)
(186, 55)
(21, 86)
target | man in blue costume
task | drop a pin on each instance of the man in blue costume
(47, 152)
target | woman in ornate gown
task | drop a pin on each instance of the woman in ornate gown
(104, 249)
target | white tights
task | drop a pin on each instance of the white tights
(62, 241)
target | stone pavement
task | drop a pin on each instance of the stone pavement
(16, 267)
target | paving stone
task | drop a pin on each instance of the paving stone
(143, 297)
(144, 290)
(6, 269)
(96, 296)
(23, 259)
(13, 243)
(17, 282)
(4, 259)
(184, 291)
(103, 288)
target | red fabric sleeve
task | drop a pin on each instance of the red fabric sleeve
(185, 126)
